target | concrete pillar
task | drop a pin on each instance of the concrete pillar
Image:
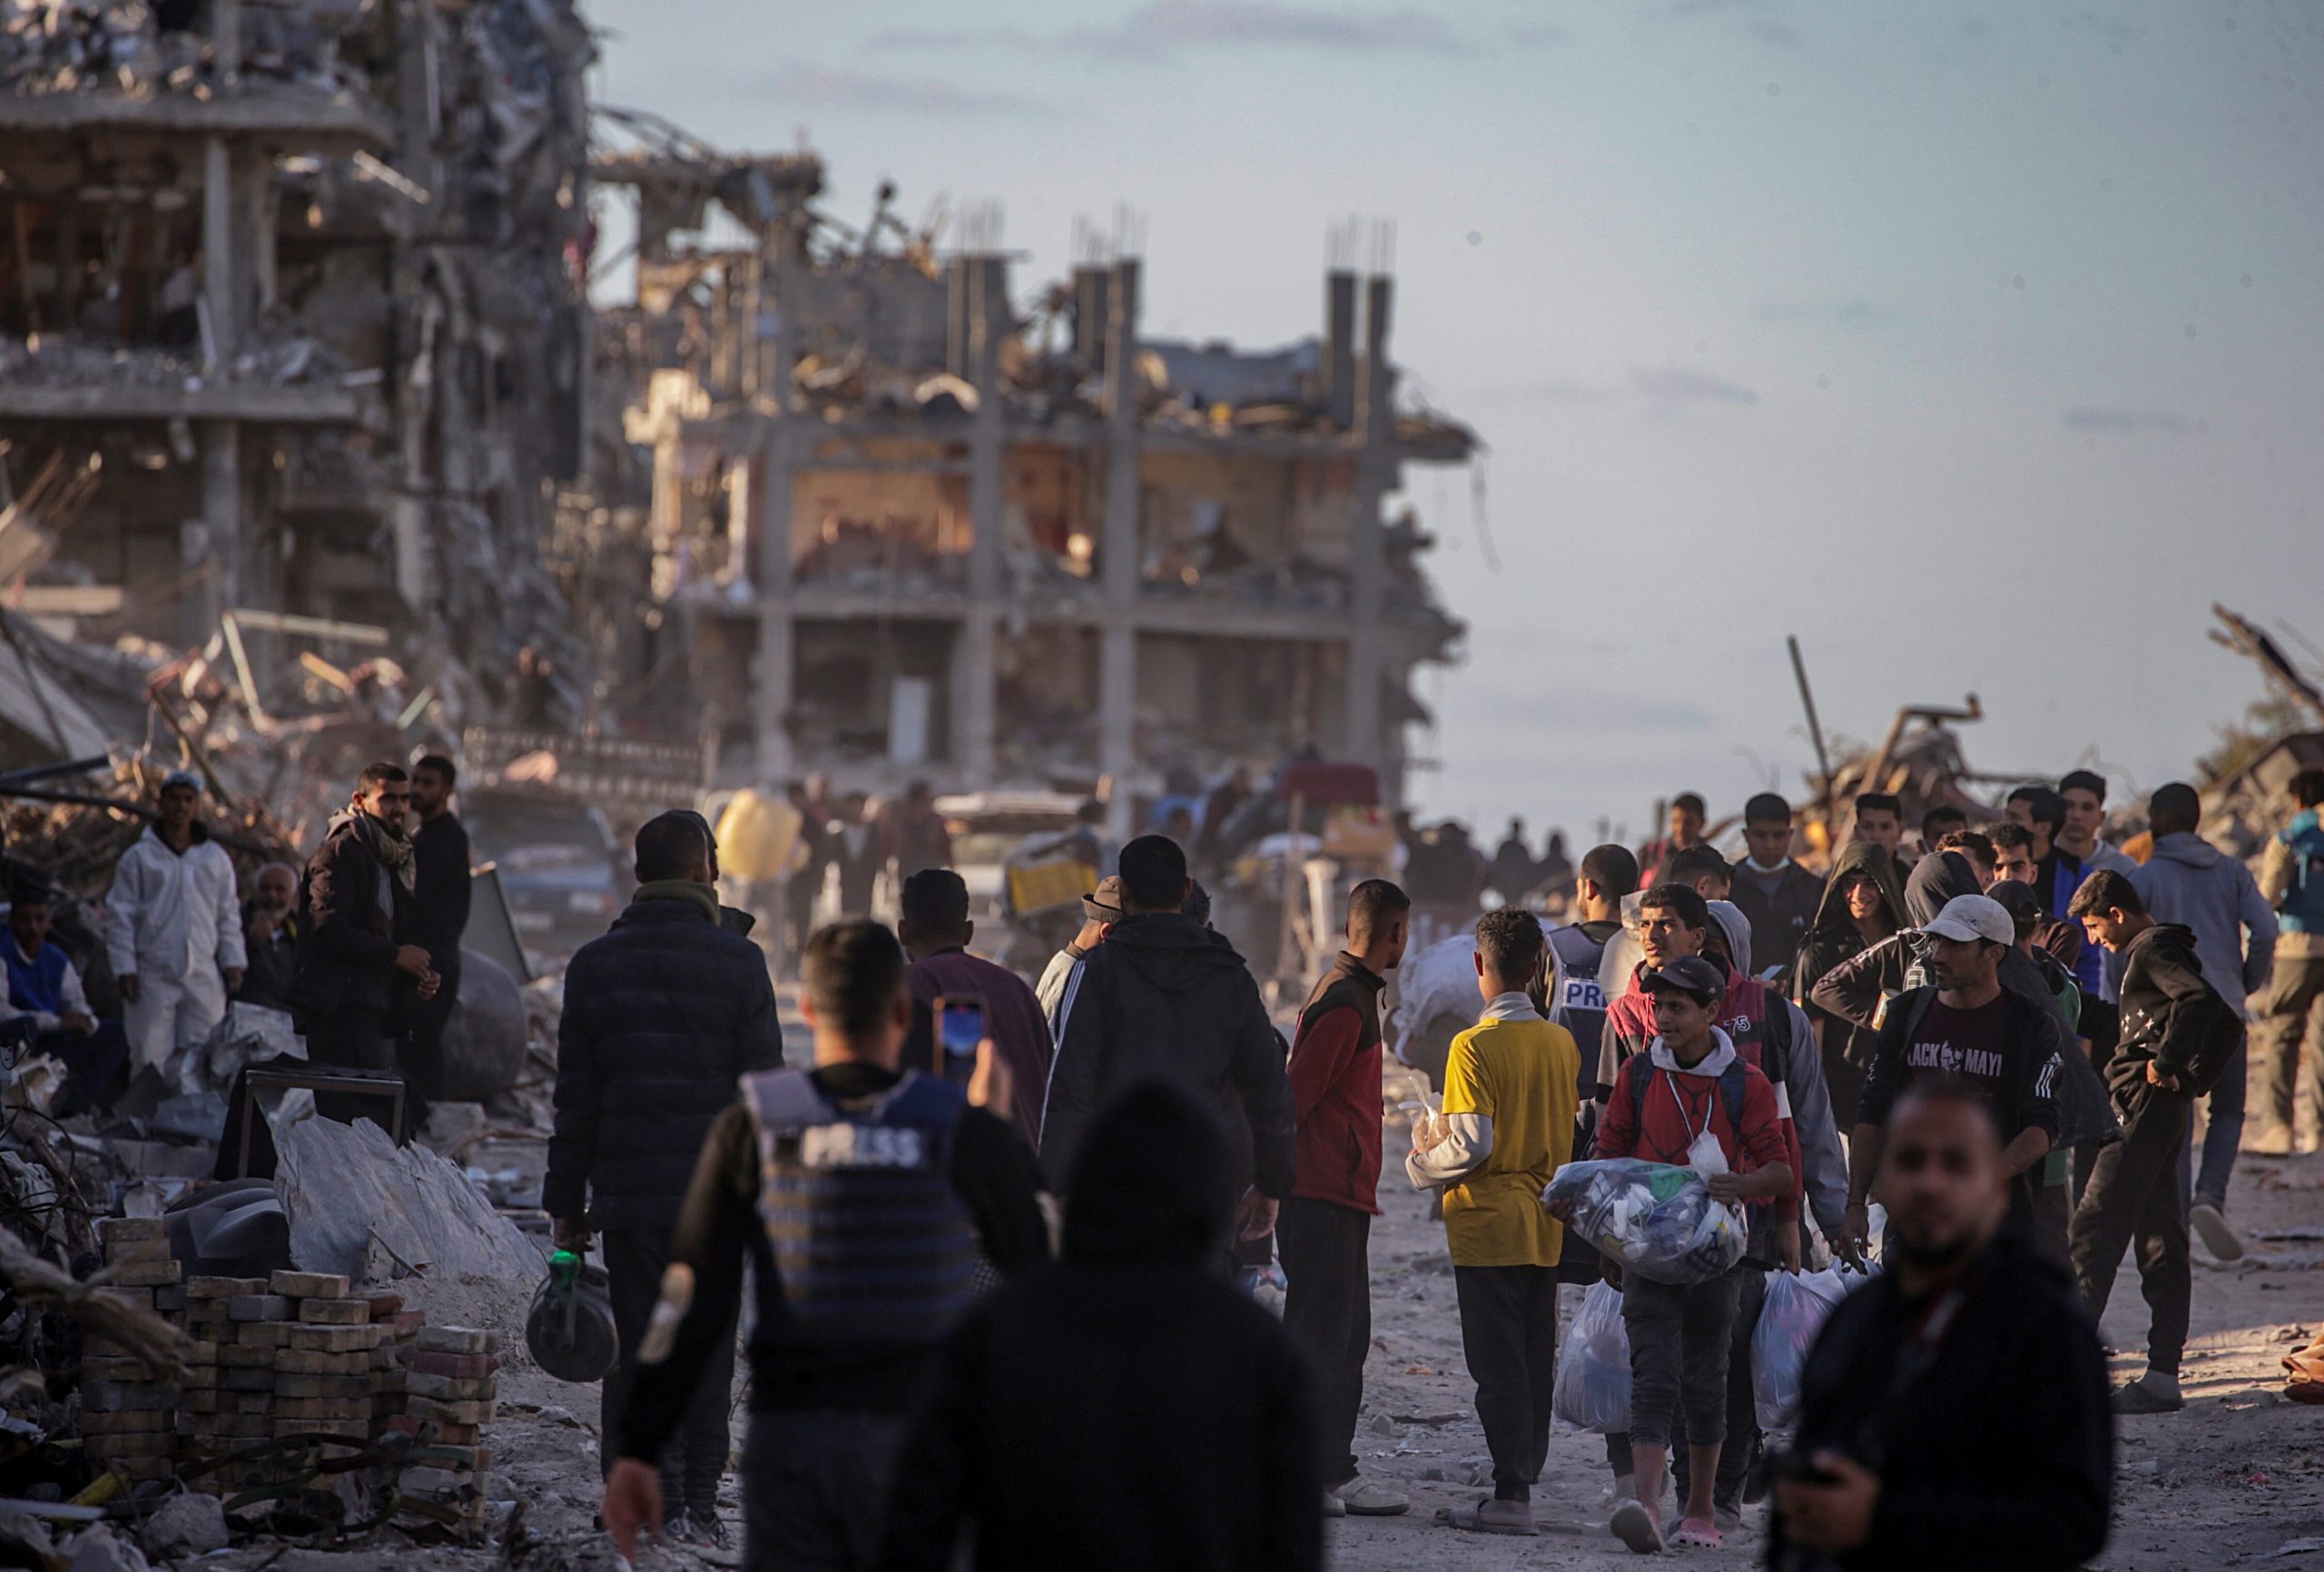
(770, 679)
(975, 689)
(222, 269)
(1119, 550)
(1339, 349)
(1376, 472)
(215, 539)
(226, 37)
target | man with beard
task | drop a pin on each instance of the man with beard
(1954, 1412)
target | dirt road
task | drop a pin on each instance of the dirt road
(2235, 1478)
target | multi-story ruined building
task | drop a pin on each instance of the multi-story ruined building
(899, 529)
(291, 317)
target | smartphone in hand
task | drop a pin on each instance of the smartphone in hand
(960, 1028)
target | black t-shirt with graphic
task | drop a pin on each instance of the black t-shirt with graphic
(1969, 1048)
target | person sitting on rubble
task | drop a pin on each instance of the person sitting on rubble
(358, 975)
(270, 930)
(47, 1011)
(171, 929)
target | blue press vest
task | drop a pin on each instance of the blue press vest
(2303, 907)
(37, 984)
(1576, 1001)
(871, 1243)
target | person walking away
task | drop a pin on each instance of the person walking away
(1510, 875)
(1171, 1417)
(1953, 1413)
(916, 834)
(860, 1193)
(1686, 817)
(1507, 1124)
(359, 974)
(1778, 895)
(1862, 904)
(1324, 1230)
(2189, 882)
(859, 850)
(439, 912)
(172, 929)
(2291, 1033)
(810, 865)
(2178, 1034)
(1966, 1028)
(1165, 996)
(46, 1010)
(270, 931)
(1880, 820)
(1688, 1085)
(663, 1016)
(1062, 979)
(935, 931)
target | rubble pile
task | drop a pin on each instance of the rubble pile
(52, 46)
(128, 1415)
(450, 1377)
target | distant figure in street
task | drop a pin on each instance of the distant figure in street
(360, 973)
(2292, 1029)
(856, 847)
(173, 928)
(1510, 875)
(1130, 1409)
(661, 1017)
(439, 911)
(1686, 828)
(1776, 895)
(1954, 1412)
(916, 836)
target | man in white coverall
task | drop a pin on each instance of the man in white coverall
(174, 929)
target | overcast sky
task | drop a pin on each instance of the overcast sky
(1980, 344)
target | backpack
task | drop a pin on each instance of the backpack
(1731, 1085)
(2303, 907)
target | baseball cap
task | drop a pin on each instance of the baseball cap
(2017, 898)
(1968, 917)
(1687, 974)
(185, 777)
(1105, 903)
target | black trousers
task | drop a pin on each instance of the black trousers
(815, 1489)
(697, 1456)
(1327, 1309)
(1742, 1404)
(423, 1051)
(2133, 1194)
(1509, 1331)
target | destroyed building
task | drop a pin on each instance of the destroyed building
(895, 525)
(290, 319)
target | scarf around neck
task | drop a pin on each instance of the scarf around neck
(391, 847)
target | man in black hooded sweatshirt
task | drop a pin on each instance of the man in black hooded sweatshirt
(1165, 996)
(1127, 1409)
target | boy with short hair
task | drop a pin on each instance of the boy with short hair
(1511, 1087)
(1689, 1082)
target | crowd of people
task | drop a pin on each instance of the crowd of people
(997, 1303)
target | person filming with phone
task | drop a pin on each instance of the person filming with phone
(970, 999)
(1955, 1410)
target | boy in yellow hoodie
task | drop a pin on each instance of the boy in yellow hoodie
(1511, 1086)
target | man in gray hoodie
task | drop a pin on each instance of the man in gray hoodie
(2191, 882)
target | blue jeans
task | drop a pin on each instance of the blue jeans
(2221, 1138)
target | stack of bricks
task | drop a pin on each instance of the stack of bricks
(129, 1418)
(278, 1357)
(451, 1387)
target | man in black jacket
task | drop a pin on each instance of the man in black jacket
(2176, 1034)
(860, 1193)
(1776, 893)
(439, 909)
(359, 972)
(661, 1017)
(1953, 1413)
(1170, 1417)
(1163, 996)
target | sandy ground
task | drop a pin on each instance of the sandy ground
(2236, 1477)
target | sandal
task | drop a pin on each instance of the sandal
(1635, 1527)
(1489, 1516)
(1694, 1534)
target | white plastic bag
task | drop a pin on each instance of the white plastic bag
(1796, 1305)
(1593, 1385)
(1654, 1219)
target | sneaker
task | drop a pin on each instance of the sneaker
(1635, 1527)
(2151, 1393)
(1362, 1498)
(1332, 1506)
(2211, 1224)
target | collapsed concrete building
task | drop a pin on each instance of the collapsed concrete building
(291, 319)
(895, 529)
